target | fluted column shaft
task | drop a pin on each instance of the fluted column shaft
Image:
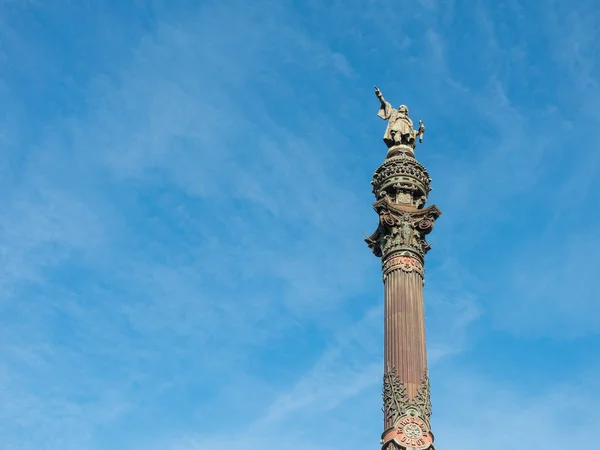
(404, 323)
(405, 327)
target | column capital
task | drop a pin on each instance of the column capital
(401, 229)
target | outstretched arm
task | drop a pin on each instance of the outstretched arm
(385, 109)
(380, 96)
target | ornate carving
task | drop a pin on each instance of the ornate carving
(409, 416)
(395, 396)
(411, 432)
(396, 401)
(391, 445)
(404, 197)
(423, 397)
(401, 228)
(403, 179)
(404, 262)
(373, 243)
(401, 166)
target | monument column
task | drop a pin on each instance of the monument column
(401, 187)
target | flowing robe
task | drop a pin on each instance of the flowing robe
(399, 128)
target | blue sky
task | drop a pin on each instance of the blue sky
(185, 191)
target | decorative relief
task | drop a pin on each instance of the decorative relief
(402, 179)
(373, 243)
(404, 197)
(396, 401)
(411, 433)
(409, 416)
(395, 396)
(423, 398)
(401, 228)
(412, 430)
(399, 166)
(406, 263)
(404, 237)
(391, 445)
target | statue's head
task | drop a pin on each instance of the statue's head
(403, 109)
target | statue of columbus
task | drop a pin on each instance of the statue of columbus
(400, 130)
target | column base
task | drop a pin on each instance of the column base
(394, 446)
(410, 433)
(406, 416)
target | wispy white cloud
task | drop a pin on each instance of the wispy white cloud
(345, 376)
(496, 414)
(346, 368)
(145, 124)
(452, 308)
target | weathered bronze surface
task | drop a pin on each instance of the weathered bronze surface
(401, 187)
(400, 130)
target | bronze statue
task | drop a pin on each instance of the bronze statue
(400, 130)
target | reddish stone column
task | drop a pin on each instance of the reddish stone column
(401, 186)
(404, 319)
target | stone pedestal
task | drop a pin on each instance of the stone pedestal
(401, 187)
